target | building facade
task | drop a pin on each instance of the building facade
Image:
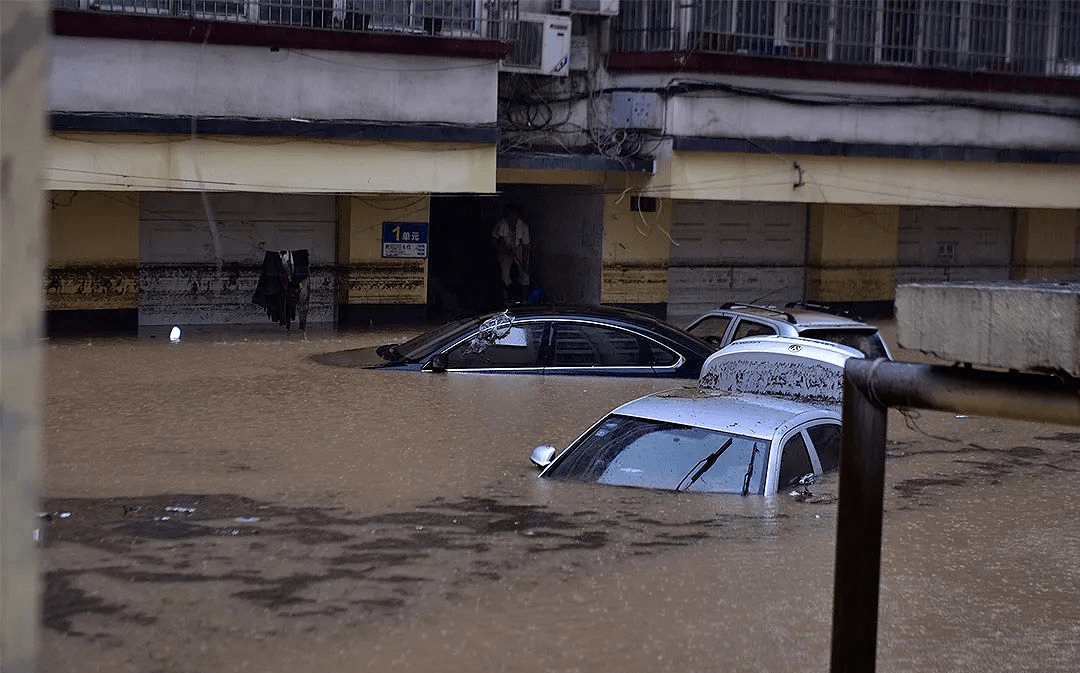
(667, 154)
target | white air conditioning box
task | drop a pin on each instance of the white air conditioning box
(541, 45)
(605, 7)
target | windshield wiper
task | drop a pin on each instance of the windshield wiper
(749, 471)
(703, 465)
(389, 352)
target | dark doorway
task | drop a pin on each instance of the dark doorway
(463, 277)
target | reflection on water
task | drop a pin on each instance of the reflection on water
(236, 506)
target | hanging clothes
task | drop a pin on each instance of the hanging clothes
(283, 288)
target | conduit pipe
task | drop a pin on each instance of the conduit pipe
(871, 387)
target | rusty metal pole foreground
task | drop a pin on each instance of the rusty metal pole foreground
(871, 387)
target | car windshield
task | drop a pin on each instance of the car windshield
(422, 344)
(630, 451)
(867, 341)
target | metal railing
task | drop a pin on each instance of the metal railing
(1031, 37)
(871, 387)
(482, 19)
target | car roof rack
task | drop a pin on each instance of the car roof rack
(824, 308)
(771, 309)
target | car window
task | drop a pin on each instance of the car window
(588, 345)
(748, 328)
(867, 341)
(826, 441)
(516, 346)
(627, 451)
(711, 328)
(660, 356)
(794, 462)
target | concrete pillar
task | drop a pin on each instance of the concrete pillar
(636, 251)
(22, 137)
(1044, 244)
(374, 288)
(851, 256)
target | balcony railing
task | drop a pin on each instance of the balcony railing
(1030, 37)
(482, 19)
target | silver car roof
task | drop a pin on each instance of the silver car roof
(749, 415)
(807, 370)
(803, 318)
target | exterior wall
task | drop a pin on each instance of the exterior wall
(851, 256)
(864, 180)
(148, 162)
(823, 111)
(636, 251)
(209, 80)
(93, 253)
(1044, 245)
(372, 286)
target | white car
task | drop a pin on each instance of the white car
(765, 417)
(732, 322)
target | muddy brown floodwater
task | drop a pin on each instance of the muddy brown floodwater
(227, 504)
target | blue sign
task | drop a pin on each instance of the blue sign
(405, 239)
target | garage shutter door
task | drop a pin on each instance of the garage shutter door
(938, 244)
(734, 252)
(179, 278)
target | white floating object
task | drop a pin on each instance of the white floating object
(174, 335)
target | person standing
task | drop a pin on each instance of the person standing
(511, 239)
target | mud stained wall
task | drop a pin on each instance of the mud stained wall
(851, 256)
(93, 251)
(200, 256)
(367, 278)
(637, 243)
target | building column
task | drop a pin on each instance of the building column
(636, 252)
(92, 283)
(371, 288)
(1044, 244)
(851, 257)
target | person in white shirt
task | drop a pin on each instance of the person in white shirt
(511, 239)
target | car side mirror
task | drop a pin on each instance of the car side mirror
(438, 362)
(543, 455)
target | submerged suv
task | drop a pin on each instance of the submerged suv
(734, 321)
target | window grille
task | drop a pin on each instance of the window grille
(1032, 37)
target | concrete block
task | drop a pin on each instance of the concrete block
(1008, 325)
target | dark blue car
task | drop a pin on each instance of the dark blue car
(594, 341)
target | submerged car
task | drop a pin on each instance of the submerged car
(764, 417)
(596, 341)
(732, 322)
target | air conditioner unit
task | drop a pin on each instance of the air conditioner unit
(605, 7)
(541, 45)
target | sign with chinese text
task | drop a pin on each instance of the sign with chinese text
(405, 239)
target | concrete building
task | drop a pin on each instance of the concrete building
(668, 154)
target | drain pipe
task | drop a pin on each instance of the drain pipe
(871, 387)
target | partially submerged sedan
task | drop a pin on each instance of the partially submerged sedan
(764, 418)
(596, 341)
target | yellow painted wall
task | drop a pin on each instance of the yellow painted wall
(1044, 244)
(367, 277)
(637, 248)
(852, 253)
(858, 180)
(93, 250)
(142, 162)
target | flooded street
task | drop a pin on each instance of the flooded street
(227, 504)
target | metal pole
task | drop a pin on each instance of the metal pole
(858, 531)
(870, 389)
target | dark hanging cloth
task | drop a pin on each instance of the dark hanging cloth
(278, 289)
